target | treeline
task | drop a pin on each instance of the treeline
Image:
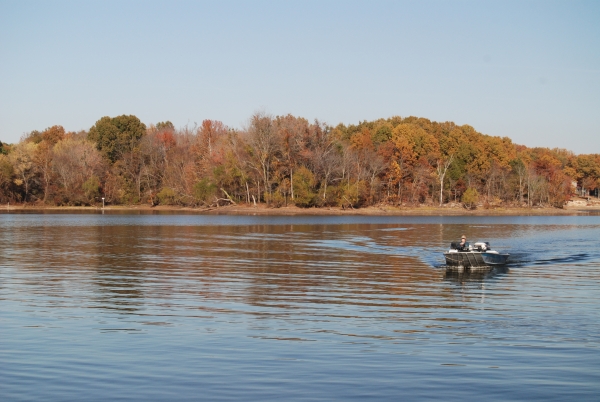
(288, 160)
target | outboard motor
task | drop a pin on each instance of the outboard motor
(482, 246)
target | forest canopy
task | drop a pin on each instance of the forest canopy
(285, 160)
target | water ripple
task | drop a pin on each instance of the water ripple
(157, 307)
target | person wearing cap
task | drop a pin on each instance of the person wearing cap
(463, 243)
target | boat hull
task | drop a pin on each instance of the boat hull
(474, 259)
(494, 258)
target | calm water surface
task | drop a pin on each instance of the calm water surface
(188, 307)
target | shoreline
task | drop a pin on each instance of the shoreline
(293, 210)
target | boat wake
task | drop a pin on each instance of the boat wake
(581, 257)
(529, 259)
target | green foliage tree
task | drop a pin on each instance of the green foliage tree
(34, 136)
(165, 125)
(91, 188)
(304, 194)
(350, 195)
(470, 198)
(6, 178)
(204, 190)
(383, 134)
(117, 135)
(167, 196)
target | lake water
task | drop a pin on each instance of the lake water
(191, 307)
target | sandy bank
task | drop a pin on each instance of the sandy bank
(293, 210)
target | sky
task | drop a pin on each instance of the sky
(527, 70)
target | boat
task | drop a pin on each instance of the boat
(479, 254)
(478, 274)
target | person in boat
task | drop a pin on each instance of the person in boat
(463, 245)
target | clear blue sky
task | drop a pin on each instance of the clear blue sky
(528, 70)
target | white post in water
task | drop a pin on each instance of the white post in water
(102, 202)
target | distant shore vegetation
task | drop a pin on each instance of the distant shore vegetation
(288, 160)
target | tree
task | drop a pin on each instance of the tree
(43, 160)
(386, 160)
(470, 198)
(53, 134)
(130, 167)
(535, 183)
(22, 159)
(441, 169)
(304, 188)
(75, 162)
(402, 159)
(264, 145)
(368, 164)
(34, 137)
(116, 136)
(6, 177)
(320, 154)
(91, 188)
(165, 125)
(204, 191)
(415, 149)
(210, 135)
(292, 132)
(180, 172)
(520, 171)
(587, 171)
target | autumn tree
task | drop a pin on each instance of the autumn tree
(34, 137)
(519, 170)
(441, 168)
(44, 154)
(586, 169)
(22, 159)
(392, 160)
(237, 167)
(402, 159)
(53, 134)
(321, 156)
(209, 138)
(154, 148)
(75, 163)
(265, 146)
(293, 132)
(180, 174)
(130, 167)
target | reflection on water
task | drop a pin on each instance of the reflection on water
(474, 274)
(162, 307)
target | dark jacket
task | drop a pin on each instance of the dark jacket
(456, 246)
